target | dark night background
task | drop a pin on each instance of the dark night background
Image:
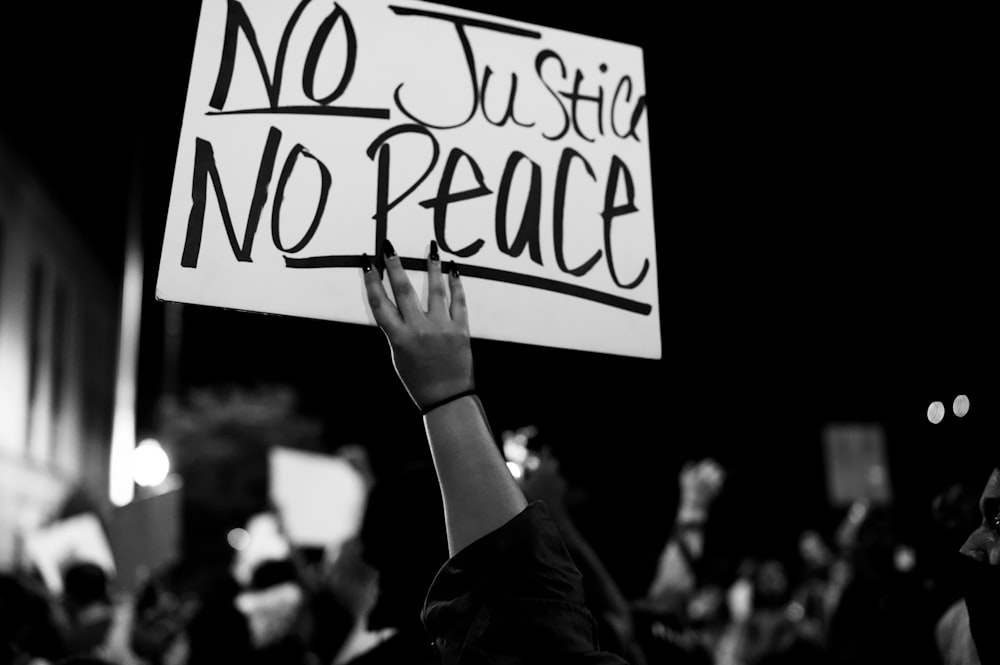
(825, 197)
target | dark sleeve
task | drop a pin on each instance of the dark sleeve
(514, 595)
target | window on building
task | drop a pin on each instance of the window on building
(98, 378)
(1, 263)
(36, 294)
(59, 322)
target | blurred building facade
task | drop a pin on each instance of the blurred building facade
(58, 340)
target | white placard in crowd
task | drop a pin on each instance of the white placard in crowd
(856, 464)
(145, 534)
(80, 538)
(313, 130)
(320, 498)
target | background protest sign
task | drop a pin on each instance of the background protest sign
(77, 539)
(320, 498)
(312, 131)
(146, 536)
(856, 464)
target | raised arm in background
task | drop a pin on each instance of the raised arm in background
(700, 483)
(605, 598)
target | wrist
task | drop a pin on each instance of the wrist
(692, 514)
(425, 391)
(425, 409)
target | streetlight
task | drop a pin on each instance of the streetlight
(150, 464)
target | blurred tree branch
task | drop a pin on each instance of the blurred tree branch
(219, 439)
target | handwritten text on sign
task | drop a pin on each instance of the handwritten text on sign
(314, 129)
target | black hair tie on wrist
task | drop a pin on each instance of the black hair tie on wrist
(427, 409)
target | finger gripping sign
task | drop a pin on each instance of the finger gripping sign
(313, 130)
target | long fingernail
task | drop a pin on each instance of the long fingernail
(388, 250)
(434, 251)
(366, 263)
(454, 269)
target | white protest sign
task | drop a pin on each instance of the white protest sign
(313, 130)
(77, 539)
(320, 498)
(856, 466)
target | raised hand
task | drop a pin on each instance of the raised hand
(700, 483)
(432, 354)
(431, 349)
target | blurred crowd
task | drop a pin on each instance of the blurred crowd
(857, 595)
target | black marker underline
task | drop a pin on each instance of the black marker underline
(464, 20)
(480, 272)
(352, 111)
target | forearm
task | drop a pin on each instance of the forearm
(479, 492)
(673, 570)
(700, 482)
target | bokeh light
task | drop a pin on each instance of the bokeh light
(961, 406)
(905, 558)
(239, 539)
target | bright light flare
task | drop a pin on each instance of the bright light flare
(150, 464)
(905, 558)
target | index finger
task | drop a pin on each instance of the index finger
(386, 315)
